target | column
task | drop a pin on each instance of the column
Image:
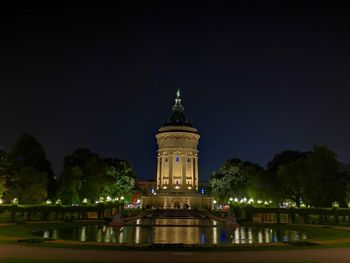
(159, 175)
(183, 162)
(196, 173)
(171, 172)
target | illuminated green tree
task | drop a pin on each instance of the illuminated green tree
(234, 178)
(121, 180)
(86, 175)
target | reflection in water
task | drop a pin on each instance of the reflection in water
(54, 234)
(260, 237)
(121, 235)
(175, 230)
(83, 233)
(46, 234)
(170, 233)
(99, 235)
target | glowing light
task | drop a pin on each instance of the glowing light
(177, 187)
(138, 201)
(236, 200)
(1, 201)
(85, 201)
(260, 202)
(108, 199)
(164, 187)
(231, 199)
(122, 198)
(335, 204)
(214, 201)
(58, 202)
(101, 199)
(243, 200)
(48, 202)
(250, 201)
(15, 201)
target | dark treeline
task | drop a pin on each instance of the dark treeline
(27, 175)
(314, 178)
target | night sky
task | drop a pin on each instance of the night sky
(256, 78)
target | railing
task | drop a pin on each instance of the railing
(332, 216)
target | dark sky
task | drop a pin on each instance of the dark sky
(256, 77)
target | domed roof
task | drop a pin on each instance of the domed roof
(177, 120)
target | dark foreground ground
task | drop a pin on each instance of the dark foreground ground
(337, 255)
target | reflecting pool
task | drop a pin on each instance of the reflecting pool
(175, 231)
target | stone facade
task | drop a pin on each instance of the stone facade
(177, 161)
(181, 201)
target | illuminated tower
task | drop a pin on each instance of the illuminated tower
(177, 165)
(177, 159)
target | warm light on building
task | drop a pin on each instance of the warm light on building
(177, 163)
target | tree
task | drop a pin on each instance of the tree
(279, 187)
(3, 171)
(83, 176)
(86, 175)
(27, 154)
(121, 182)
(292, 179)
(283, 158)
(70, 184)
(327, 180)
(29, 186)
(235, 177)
(316, 178)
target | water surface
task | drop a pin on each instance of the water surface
(174, 231)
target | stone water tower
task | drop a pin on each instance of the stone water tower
(177, 164)
(177, 158)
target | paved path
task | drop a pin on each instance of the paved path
(338, 255)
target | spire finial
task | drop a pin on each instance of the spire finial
(178, 94)
(178, 106)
